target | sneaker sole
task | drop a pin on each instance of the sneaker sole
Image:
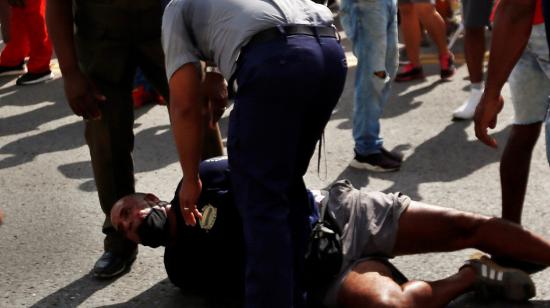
(365, 166)
(13, 73)
(407, 79)
(39, 80)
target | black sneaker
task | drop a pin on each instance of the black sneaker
(33, 78)
(394, 156)
(13, 70)
(377, 162)
(526, 266)
(111, 265)
(410, 73)
(495, 281)
(447, 63)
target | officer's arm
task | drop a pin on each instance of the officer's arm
(186, 115)
(59, 18)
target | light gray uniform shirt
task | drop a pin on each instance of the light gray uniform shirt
(216, 30)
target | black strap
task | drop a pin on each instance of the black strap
(278, 32)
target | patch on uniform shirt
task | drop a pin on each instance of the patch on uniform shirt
(209, 214)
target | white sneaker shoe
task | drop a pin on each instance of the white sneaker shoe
(468, 109)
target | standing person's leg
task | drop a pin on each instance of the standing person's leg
(514, 168)
(434, 24)
(266, 153)
(476, 18)
(111, 142)
(370, 25)
(12, 58)
(40, 53)
(530, 88)
(410, 28)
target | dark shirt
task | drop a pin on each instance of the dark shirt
(209, 258)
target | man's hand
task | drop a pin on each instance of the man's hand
(83, 96)
(17, 3)
(214, 88)
(486, 117)
(189, 193)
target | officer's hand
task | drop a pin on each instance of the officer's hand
(17, 3)
(214, 88)
(486, 117)
(189, 193)
(83, 96)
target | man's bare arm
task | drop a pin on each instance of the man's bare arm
(83, 97)
(512, 28)
(186, 115)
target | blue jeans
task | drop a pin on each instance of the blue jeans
(371, 25)
(287, 88)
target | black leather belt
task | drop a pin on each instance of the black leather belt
(277, 32)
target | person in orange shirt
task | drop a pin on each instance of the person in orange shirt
(28, 37)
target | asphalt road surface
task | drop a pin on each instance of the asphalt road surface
(51, 235)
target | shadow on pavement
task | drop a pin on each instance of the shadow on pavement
(50, 93)
(446, 157)
(154, 149)
(75, 293)
(164, 294)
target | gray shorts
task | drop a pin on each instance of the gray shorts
(530, 80)
(369, 222)
(415, 1)
(476, 13)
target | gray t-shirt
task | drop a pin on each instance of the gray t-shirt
(216, 30)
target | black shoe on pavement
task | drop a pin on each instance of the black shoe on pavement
(13, 70)
(526, 266)
(447, 63)
(394, 156)
(410, 73)
(495, 281)
(377, 162)
(33, 78)
(111, 265)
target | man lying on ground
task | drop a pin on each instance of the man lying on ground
(374, 226)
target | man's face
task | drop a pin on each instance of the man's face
(127, 215)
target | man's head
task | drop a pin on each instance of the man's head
(130, 212)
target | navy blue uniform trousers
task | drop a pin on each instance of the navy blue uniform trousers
(287, 89)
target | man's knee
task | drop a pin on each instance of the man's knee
(380, 74)
(369, 284)
(390, 297)
(524, 136)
